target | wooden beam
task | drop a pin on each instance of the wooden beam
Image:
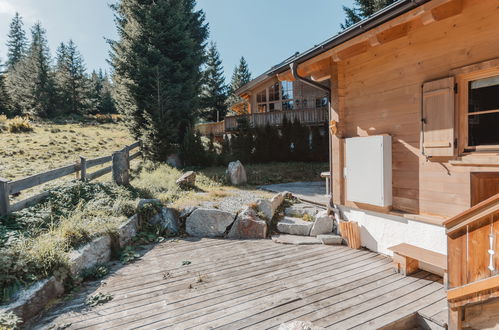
(427, 18)
(486, 285)
(373, 40)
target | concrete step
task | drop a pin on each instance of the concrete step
(300, 209)
(295, 239)
(294, 226)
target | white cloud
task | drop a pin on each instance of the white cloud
(6, 7)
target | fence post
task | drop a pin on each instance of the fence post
(83, 168)
(4, 197)
(121, 175)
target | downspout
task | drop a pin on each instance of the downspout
(294, 71)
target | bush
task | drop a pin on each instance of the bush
(19, 125)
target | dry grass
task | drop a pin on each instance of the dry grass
(52, 145)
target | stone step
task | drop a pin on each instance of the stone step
(330, 239)
(294, 226)
(300, 209)
(295, 239)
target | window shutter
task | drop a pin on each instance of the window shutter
(438, 117)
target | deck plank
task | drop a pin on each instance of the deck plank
(252, 284)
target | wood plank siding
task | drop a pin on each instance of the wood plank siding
(381, 93)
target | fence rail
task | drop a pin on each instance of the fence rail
(120, 164)
(208, 129)
(275, 118)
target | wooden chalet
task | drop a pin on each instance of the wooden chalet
(414, 136)
(266, 101)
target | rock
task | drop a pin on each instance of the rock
(248, 225)
(188, 179)
(174, 161)
(205, 222)
(269, 207)
(323, 224)
(236, 174)
(300, 209)
(128, 230)
(294, 226)
(31, 301)
(295, 240)
(330, 239)
(299, 325)
(187, 212)
(167, 219)
(96, 252)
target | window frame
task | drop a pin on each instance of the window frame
(463, 78)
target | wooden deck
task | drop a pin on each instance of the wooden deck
(255, 284)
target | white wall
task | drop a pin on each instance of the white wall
(380, 231)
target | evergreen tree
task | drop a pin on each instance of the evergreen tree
(213, 90)
(300, 139)
(71, 79)
(30, 81)
(240, 77)
(157, 62)
(5, 101)
(16, 41)
(363, 9)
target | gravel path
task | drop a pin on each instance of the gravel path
(236, 199)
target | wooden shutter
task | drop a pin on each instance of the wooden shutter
(438, 117)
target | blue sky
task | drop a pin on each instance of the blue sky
(264, 31)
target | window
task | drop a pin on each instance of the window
(321, 102)
(261, 96)
(287, 90)
(288, 105)
(483, 112)
(274, 92)
(262, 108)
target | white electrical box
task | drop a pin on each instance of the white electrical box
(369, 170)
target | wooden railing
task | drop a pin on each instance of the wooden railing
(275, 118)
(472, 258)
(211, 129)
(120, 164)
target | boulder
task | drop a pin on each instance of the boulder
(300, 209)
(174, 161)
(128, 230)
(323, 224)
(166, 219)
(248, 225)
(96, 252)
(188, 179)
(205, 222)
(269, 207)
(330, 239)
(236, 174)
(294, 226)
(299, 325)
(31, 301)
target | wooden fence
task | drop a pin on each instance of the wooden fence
(208, 129)
(120, 165)
(275, 118)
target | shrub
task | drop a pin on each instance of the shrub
(19, 125)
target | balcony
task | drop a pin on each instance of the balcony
(308, 117)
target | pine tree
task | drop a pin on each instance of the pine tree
(213, 90)
(157, 62)
(16, 41)
(5, 101)
(240, 77)
(30, 81)
(71, 79)
(363, 9)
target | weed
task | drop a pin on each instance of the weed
(19, 125)
(186, 263)
(128, 255)
(98, 299)
(9, 320)
(95, 273)
(307, 217)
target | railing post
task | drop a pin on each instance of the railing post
(121, 175)
(83, 168)
(4, 197)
